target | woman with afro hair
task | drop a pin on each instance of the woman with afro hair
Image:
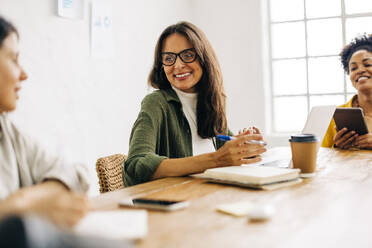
(356, 59)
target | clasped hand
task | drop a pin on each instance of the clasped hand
(239, 151)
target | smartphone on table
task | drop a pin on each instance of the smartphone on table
(352, 119)
(155, 204)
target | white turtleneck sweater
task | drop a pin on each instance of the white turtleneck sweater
(188, 101)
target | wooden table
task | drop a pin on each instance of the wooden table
(333, 209)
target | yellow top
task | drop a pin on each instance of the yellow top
(331, 131)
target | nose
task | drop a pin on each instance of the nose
(179, 63)
(361, 69)
(23, 76)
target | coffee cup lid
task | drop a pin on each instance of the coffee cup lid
(303, 137)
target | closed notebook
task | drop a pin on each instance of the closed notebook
(254, 176)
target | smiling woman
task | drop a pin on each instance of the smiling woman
(356, 59)
(174, 134)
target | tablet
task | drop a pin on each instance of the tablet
(352, 119)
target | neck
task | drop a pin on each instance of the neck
(184, 92)
(365, 102)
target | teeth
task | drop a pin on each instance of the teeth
(183, 75)
(362, 78)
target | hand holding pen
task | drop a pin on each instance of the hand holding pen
(227, 138)
(239, 150)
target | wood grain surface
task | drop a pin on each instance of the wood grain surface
(333, 209)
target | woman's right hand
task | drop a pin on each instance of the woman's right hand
(65, 210)
(239, 151)
(344, 139)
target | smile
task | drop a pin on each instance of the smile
(362, 78)
(183, 75)
(17, 87)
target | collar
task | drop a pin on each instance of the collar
(353, 102)
(170, 95)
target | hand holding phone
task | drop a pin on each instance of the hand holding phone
(350, 124)
(155, 204)
(345, 139)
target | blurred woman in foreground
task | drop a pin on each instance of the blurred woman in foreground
(31, 180)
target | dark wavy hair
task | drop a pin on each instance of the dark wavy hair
(211, 103)
(363, 42)
(6, 28)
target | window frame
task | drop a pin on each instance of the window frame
(344, 17)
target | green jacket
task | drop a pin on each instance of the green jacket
(161, 131)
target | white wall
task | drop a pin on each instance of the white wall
(235, 30)
(83, 107)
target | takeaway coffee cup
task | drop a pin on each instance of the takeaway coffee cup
(304, 149)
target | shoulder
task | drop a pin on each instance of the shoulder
(21, 141)
(154, 97)
(154, 106)
(349, 103)
(160, 99)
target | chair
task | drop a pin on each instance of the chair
(110, 172)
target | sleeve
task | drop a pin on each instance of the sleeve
(36, 165)
(142, 159)
(329, 136)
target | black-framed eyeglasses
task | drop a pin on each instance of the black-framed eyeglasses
(187, 56)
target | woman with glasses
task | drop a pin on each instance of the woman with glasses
(31, 180)
(174, 134)
(356, 60)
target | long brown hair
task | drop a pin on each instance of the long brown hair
(211, 105)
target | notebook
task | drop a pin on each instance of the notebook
(252, 176)
(273, 171)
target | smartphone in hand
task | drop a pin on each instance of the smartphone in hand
(155, 204)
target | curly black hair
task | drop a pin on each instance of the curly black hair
(363, 42)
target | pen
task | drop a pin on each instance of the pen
(227, 138)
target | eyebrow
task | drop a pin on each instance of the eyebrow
(178, 52)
